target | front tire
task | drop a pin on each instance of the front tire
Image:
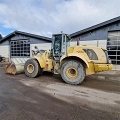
(32, 68)
(72, 72)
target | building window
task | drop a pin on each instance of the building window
(20, 48)
(113, 47)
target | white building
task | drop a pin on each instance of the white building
(18, 45)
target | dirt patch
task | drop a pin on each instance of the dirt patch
(101, 84)
(92, 95)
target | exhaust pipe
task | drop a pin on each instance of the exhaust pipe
(14, 68)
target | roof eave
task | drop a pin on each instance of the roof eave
(27, 34)
(95, 27)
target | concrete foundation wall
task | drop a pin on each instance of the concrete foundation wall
(4, 51)
(99, 43)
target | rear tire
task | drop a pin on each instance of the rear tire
(72, 72)
(32, 68)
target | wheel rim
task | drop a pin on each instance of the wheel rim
(72, 73)
(30, 68)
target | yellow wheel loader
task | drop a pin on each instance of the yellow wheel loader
(72, 63)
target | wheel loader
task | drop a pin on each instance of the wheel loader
(73, 63)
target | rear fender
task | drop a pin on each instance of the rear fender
(75, 56)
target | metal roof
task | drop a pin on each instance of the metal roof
(95, 27)
(25, 33)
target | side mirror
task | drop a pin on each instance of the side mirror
(36, 47)
(69, 37)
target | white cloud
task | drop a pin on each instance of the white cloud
(45, 17)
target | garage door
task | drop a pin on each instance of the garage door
(113, 47)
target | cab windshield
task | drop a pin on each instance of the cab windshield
(57, 44)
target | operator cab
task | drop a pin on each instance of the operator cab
(60, 44)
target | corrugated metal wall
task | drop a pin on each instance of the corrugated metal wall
(99, 33)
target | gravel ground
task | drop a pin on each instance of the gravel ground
(49, 98)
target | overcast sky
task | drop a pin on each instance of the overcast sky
(44, 17)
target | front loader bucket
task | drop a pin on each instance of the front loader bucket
(14, 68)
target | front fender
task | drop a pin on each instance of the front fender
(40, 60)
